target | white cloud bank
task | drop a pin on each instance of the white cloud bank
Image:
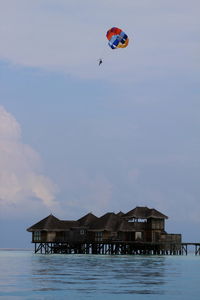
(21, 181)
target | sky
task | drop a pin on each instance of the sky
(78, 138)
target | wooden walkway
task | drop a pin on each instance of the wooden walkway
(195, 247)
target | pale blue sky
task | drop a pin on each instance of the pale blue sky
(76, 137)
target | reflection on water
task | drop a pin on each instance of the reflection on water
(105, 274)
(27, 276)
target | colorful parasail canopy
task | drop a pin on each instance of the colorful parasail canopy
(117, 38)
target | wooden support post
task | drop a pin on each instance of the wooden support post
(197, 249)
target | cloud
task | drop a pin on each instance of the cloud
(21, 180)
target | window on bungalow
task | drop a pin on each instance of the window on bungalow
(99, 233)
(82, 231)
(138, 220)
(157, 224)
(37, 235)
(98, 236)
(138, 235)
(142, 220)
(113, 233)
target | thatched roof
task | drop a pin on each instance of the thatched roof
(120, 214)
(51, 223)
(108, 222)
(66, 225)
(87, 219)
(112, 222)
(141, 212)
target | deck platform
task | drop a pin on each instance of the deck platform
(117, 248)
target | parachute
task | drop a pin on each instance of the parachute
(117, 38)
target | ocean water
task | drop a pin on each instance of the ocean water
(24, 275)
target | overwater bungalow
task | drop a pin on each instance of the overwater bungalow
(139, 231)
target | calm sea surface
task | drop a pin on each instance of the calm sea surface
(24, 275)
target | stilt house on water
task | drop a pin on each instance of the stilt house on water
(139, 231)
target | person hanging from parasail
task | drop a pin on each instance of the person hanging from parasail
(100, 61)
(117, 39)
